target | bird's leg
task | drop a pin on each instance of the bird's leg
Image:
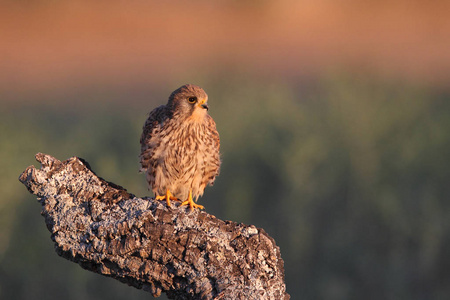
(168, 196)
(191, 202)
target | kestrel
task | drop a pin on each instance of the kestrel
(180, 147)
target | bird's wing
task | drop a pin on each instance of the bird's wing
(150, 133)
(214, 163)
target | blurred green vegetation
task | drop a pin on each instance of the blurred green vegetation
(350, 175)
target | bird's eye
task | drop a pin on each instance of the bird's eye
(192, 99)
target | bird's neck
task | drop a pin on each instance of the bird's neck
(198, 116)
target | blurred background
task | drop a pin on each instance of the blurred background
(334, 119)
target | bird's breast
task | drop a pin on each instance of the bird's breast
(181, 143)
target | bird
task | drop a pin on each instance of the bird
(180, 147)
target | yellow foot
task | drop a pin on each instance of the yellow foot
(168, 196)
(191, 202)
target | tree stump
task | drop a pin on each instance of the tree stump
(141, 242)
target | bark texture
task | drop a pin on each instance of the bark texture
(141, 242)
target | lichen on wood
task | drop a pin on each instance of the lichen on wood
(141, 242)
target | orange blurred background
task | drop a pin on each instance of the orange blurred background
(51, 45)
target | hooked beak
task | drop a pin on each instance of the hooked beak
(203, 104)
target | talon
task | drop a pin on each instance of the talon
(168, 196)
(191, 202)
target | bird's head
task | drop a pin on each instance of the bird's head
(190, 101)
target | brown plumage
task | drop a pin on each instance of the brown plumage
(180, 147)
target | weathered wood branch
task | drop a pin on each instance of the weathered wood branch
(141, 242)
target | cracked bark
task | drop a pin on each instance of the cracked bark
(139, 241)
